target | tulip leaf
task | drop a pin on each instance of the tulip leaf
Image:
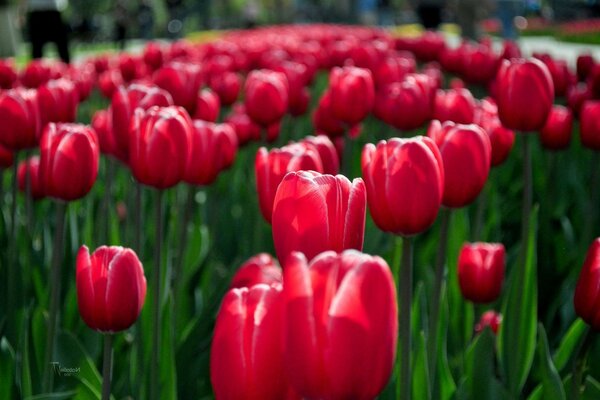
(480, 366)
(168, 374)
(54, 396)
(569, 343)
(444, 386)
(517, 336)
(420, 381)
(551, 383)
(38, 335)
(71, 354)
(26, 381)
(7, 367)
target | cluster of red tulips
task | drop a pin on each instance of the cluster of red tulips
(325, 321)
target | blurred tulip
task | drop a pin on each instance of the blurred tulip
(313, 213)
(577, 95)
(299, 95)
(502, 139)
(31, 166)
(8, 74)
(352, 94)
(585, 64)
(21, 125)
(245, 129)
(327, 152)
(153, 56)
(182, 81)
(246, 355)
(404, 105)
(58, 101)
(392, 166)
(160, 145)
(480, 64)
(481, 271)
(69, 157)
(227, 86)
(131, 67)
(454, 105)
(266, 96)
(36, 73)
(466, 155)
(556, 133)
(392, 69)
(525, 94)
(111, 288)
(341, 325)
(109, 81)
(262, 268)
(7, 157)
(208, 106)
(489, 318)
(102, 124)
(213, 149)
(323, 119)
(587, 291)
(271, 166)
(589, 127)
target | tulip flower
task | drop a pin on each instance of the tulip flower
(8, 74)
(392, 166)
(299, 95)
(323, 119)
(58, 101)
(208, 106)
(340, 343)
(407, 95)
(102, 125)
(491, 319)
(480, 64)
(466, 155)
(182, 81)
(246, 355)
(153, 55)
(352, 94)
(525, 94)
(313, 213)
(69, 160)
(159, 145)
(271, 166)
(556, 133)
(124, 103)
(266, 96)
(585, 63)
(7, 157)
(20, 116)
(245, 129)
(392, 69)
(111, 288)
(31, 166)
(227, 86)
(36, 73)
(454, 105)
(109, 81)
(213, 149)
(481, 271)
(590, 125)
(587, 290)
(262, 268)
(327, 152)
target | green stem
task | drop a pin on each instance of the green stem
(183, 232)
(347, 156)
(55, 281)
(437, 292)
(107, 366)
(581, 353)
(527, 198)
(480, 213)
(137, 240)
(590, 221)
(154, 366)
(106, 199)
(405, 331)
(12, 262)
(28, 199)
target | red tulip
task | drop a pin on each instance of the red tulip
(391, 167)
(153, 55)
(454, 105)
(21, 125)
(556, 133)
(31, 166)
(327, 152)
(587, 291)
(589, 127)
(271, 166)
(124, 103)
(299, 95)
(313, 213)
(246, 355)
(182, 81)
(262, 268)
(266, 96)
(227, 86)
(577, 95)
(102, 125)
(7, 157)
(340, 326)
(131, 67)
(585, 64)
(8, 74)
(36, 73)
(392, 69)
(245, 129)
(491, 319)
(213, 149)
(111, 288)
(323, 119)
(352, 93)
(501, 138)
(466, 154)
(525, 94)
(109, 81)
(481, 271)
(408, 96)
(69, 160)
(208, 106)
(58, 101)
(160, 145)
(480, 64)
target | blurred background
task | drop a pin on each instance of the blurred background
(114, 23)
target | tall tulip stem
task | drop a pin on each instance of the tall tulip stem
(107, 366)
(11, 262)
(183, 231)
(55, 280)
(440, 263)
(156, 323)
(405, 285)
(106, 199)
(28, 198)
(590, 221)
(347, 156)
(480, 214)
(579, 359)
(137, 235)
(527, 197)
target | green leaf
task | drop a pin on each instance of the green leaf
(517, 336)
(53, 396)
(71, 354)
(168, 373)
(26, 381)
(569, 343)
(7, 368)
(480, 366)
(444, 386)
(420, 381)
(551, 383)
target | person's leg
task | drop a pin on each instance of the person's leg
(60, 36)
(35, 25)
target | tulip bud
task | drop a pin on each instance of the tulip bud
(588, 287)
(525, 93)
(111, 288)
(323, 119)
(466, 155)
(589, 127)
(208, 106)
(227, 86)
(153, 55)
(109, 81)
(391, 167)
(556, 133)
(182, 81)
(8, 74)
(262, 268)
(7, 157)
(245, 129)
(352, 93)
(36, 73)
(313, 213)
(501, 138)
(266, 96)
(340, 343)
(454, 105)
(585, 64)
(30, 166)
(491, 319)
(20, 116)
(69, 157)
(410, 97)
(481, 271)
(58, 101)
(327, 152)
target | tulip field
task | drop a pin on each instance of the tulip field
(301, 212)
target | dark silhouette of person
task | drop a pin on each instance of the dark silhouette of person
(45, 25)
